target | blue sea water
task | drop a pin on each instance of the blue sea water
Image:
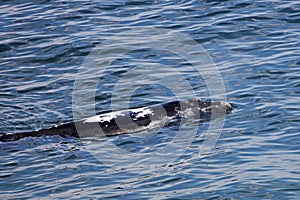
(255, 46)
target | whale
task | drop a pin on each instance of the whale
(132, 120)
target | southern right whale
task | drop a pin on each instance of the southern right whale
(132, 120)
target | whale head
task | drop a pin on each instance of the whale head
(221, 107)
(212, 109)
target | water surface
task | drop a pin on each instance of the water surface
(254, 44)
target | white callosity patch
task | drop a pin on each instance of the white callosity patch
(188, 112)
(140, 112)
(107, 117)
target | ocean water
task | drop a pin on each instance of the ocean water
(253, 48)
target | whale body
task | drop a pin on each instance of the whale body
(132, 120)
